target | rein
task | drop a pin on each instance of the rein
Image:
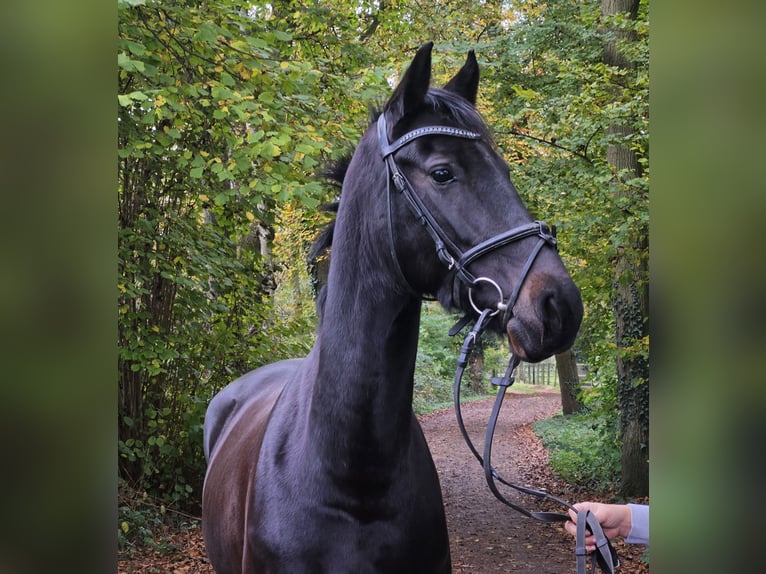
(454, 258)
(605, 557)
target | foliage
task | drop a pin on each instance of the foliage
(138, 529)
(556, 100)
(437, 356)
(435, 365)
(225, 113)
(143, 522)
(208, 153)
(584, 450)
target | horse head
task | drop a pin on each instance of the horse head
(447, 186)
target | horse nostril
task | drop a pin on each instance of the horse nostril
(550, 312)
(559, 309)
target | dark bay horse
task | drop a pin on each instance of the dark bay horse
(318, 464)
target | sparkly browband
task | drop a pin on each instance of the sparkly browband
(428, 131)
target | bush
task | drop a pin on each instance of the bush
(584, 450)
(435, 366)
(170, 453)
(145, 522)
(437, 361)
(138, 527)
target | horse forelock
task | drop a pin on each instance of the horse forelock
(456, 109)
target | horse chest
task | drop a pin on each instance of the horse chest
(299, 536)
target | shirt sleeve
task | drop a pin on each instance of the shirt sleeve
(639, 524)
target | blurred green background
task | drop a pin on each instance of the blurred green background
(58, 261)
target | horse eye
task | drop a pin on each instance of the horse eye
(442, 175)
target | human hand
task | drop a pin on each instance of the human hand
(614, 520)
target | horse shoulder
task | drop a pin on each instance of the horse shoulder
(235, 423)
(252, 392)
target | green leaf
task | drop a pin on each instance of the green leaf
(207, 33)
(198, 161)
(266, 97)
(138, 96)
(135, 48)
(270, 150)
(282, 36)
(227, 80)
(126, 63)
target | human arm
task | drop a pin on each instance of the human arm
(639, 520)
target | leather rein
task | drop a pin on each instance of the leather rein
(605, 557)
(454, 258)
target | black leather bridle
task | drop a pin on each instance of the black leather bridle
(455, 258)
(447, 251)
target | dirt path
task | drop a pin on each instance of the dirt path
(485, 536)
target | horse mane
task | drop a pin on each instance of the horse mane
(333, 174)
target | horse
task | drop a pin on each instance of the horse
(319, 464)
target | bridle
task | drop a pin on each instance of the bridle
(448, 252)
(458, 260)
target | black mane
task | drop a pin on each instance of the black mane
(333, 175)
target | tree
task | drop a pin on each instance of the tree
(569, 382)
(631, 281)
(209, 152)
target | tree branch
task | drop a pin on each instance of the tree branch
(552, 143)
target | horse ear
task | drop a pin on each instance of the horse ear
(466, 81)
(413, 87)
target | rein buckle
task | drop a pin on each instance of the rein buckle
(502, 381)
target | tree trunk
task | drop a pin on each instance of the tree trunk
(569, 382)
(476, 368)
(631, 309)
(630, 293)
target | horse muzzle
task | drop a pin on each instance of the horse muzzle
(545, 321)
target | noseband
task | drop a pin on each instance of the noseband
(446, 249)
(455, 258)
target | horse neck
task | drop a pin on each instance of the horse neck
(366, 347)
